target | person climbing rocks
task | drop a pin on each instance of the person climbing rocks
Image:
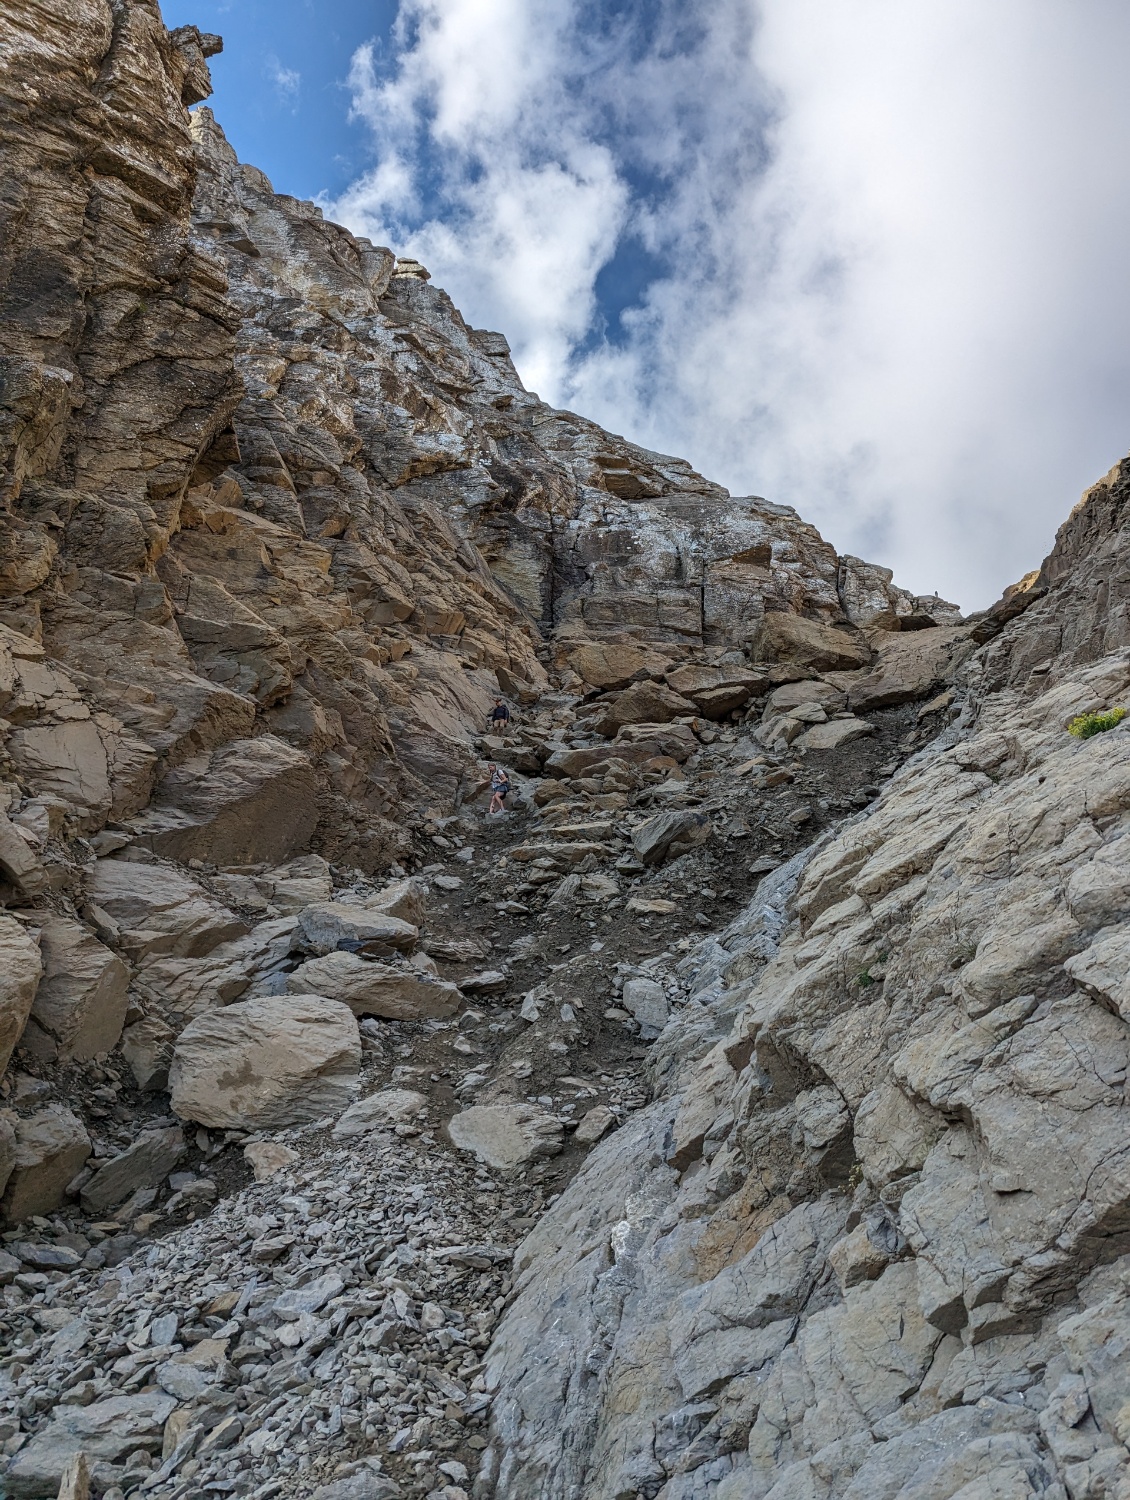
(499, 788)
(499, 715)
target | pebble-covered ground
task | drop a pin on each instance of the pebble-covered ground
(321, 1331)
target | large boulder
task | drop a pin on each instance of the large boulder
(144, 1164)
(265, 1064)
(911, 665)
(375, 989)
(506, 1135)
(51, 1146)
(670, 834)
(20, 969)
(322, 927)
(808, 643)
(715, 691)
(643, 703)
(106, 1432)
(403, 898)
(248, 802)
(157, 910)
(80, 1006)
(608, 666)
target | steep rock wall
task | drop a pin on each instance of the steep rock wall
(872, 1238)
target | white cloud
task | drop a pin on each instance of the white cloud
(894, 234)
(287, 81)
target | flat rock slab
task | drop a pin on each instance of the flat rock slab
(594, 1124)
(267, 1063)
(834, 733)
(145, 1164)
(322, 926)
(106, 1432)
(506, 1135)
(380, 1111)
(375, 989)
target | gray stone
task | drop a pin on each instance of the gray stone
(322, 927)
(106, 1432)
(669, 834)
(42, 1257)
(309, 1298)
(506, 1135)
(647, 1002)
(145, 1164)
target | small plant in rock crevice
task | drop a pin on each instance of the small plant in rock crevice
(1083, 726)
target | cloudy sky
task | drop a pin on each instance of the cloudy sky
(865, 257)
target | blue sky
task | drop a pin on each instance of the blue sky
(863, 257)
(280, 83)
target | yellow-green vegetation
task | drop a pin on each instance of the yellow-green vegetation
(1083, 726)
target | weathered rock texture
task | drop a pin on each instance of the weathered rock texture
(874, 1236)
(277, 525)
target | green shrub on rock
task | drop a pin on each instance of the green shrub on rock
(1083, 726)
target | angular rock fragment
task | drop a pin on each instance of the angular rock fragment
(20, 970)
(105, 1432)
(647, 1002)
(145, 1164)
(834, 733)
(375, 989)
(51, 1146)
(268, 1158)
(669, 834)
(380, 1111)
(808, 643)
(147, 1047)
(403, 898)
(594, 1124)
(506, 1135)
(322, 927)
(80, 1005)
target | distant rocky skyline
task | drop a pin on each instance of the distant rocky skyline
(866, 264)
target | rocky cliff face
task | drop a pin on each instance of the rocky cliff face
(830, 1203)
